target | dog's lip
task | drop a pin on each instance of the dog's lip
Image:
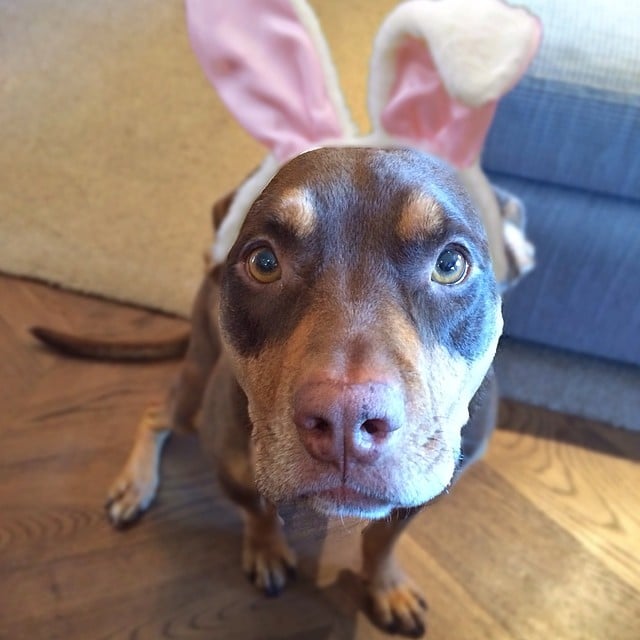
(349, 496)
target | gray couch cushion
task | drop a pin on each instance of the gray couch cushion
(574, 120)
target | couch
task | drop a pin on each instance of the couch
(567, 141)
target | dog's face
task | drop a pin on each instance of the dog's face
(361, 314)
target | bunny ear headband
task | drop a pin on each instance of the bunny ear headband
(435, 80)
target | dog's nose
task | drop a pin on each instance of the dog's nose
(340, 422)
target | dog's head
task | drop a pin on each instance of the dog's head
(361, 314)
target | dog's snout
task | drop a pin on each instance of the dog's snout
(341, 422)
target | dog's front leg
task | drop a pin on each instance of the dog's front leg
(135, 487)
(266, 557)
(396, 604)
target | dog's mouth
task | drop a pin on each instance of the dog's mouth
(347, 501)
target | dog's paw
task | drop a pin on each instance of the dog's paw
(129, 496)
(397, 606)
(134, 489)
(268, 561)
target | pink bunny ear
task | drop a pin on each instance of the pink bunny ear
(439, 68)
(271, 67)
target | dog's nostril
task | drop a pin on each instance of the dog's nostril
(376, 427)
(371, 427)
(313, 423)
(318, 437)
(320, 424)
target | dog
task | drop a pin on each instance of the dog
(340, 358)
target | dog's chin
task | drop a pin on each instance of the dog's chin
(347, 503)
(357, 498)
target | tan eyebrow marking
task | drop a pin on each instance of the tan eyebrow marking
(420, 216)
(297, 211)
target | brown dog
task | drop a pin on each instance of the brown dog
(341, 358)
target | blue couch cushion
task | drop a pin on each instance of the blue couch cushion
(584, 295)
(574, 120)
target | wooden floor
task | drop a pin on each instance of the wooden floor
(541, 540)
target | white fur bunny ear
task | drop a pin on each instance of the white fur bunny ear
(439, 67)
(270, 64)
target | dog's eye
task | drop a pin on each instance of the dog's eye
(451, 267)
(263, 266)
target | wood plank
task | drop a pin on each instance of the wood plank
(529, 573)
(579, 476)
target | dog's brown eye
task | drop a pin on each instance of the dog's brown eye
(451, 267)
(263, 265)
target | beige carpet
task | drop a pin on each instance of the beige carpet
(114, 146)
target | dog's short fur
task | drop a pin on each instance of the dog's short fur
(350, 379)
